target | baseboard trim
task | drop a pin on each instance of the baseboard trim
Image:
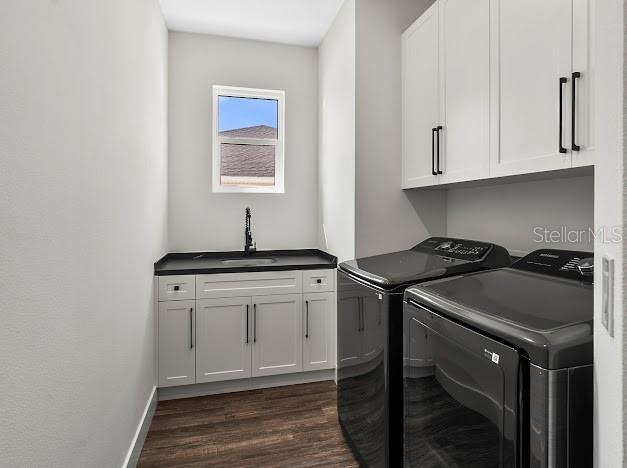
(135, 450)
(241, 385)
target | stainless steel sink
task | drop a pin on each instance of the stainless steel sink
(249, 262)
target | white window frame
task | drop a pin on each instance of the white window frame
(279, 143)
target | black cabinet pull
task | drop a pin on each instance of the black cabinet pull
(563, 81)
(433, 132)
(575, 146)
(177, 287)
(307, 319)
(438, 129)
(191, 328)
(247, 311)
(254, 323)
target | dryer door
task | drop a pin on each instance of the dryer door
(460, 395)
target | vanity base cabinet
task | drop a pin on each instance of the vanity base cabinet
(177, 353)
(223, 349)
(218, 339)
(319, 331)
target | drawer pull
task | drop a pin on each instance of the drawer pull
(177, 287)
(319, 281)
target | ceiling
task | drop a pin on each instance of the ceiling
(299, 22)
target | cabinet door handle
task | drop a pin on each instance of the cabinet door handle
(254, 323)
(438, 129)
(562, 82)
(191, 328)
(433, 132)
(247, 312)
(307, 319)
(573, 122)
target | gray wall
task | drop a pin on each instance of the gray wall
(386, 217)
(83, 203)
(202, 220)
(508, 214)
(336, 163)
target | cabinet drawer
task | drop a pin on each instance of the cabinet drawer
(177, 288)
(318, 281)
(248, 284)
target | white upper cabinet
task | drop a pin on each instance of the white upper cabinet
(532, 52)
(583, 135)
(495, 88)
(223, 339)
(421, 100)
(446, 94)
(465, 90)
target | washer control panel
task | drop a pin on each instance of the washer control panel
(455, 248)
(561, 263)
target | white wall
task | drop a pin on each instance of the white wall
(83, 198)
(508, 214)
(336, 123)
(608, 213)
(387, 218)
(202, 220)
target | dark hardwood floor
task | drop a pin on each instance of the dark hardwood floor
(294, 426)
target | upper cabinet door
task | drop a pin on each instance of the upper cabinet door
(583, 143)
(224, 342)
(421, 100)
(465, 65)
(531, 51)
(277, 334)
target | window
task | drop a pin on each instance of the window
(248, 140)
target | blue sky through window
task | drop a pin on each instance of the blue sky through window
(237, 112)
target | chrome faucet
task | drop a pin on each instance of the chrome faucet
(250, 247)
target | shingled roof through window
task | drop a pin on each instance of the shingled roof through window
(241, 160)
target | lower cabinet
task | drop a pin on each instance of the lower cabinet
(177, 353)
(319, 338)
(223, 339)
(277, 335)
(220, 339)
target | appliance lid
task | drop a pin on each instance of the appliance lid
(548, 314)
(435, 257)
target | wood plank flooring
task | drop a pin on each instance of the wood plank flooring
(293, 426)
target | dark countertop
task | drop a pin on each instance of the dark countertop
(198, 263)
